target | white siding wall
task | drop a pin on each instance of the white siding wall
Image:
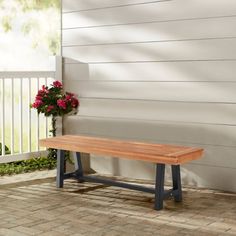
(161, 71)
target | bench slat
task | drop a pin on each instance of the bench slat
(150, 152)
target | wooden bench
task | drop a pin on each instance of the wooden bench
(155, 153)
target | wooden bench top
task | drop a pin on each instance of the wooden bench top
(150, 152)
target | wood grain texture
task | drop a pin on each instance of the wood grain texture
(150, 152)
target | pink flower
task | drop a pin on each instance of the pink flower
(50, 107)
(74, 103)
(37, 104)
(38, 97)
(68, 97)
(61, 103)
(57, 84)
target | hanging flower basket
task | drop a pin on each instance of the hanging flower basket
(53, 101)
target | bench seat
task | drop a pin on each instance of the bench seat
(160, 154)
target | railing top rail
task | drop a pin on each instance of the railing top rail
(26, 74)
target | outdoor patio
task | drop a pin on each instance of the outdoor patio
(30, 204)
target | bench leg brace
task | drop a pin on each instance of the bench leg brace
(159, 187)
(60, 168)
(176, 182)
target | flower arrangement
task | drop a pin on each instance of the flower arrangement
(52, 101)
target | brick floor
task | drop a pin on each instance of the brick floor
(33, 206)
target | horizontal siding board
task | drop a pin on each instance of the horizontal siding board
(162, 31)
(208, 177)
(165, 111)
(221, 92)
(156, 71)
(161, 131)
(160, 51)
(84, 5)
(161, 11)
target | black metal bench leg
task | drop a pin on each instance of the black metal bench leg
(78, 165)
(176, 178)
(159, 188)
(60, 168)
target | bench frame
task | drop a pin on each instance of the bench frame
(160, 193)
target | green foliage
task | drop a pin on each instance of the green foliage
(32, 27)
(28, 26)
(27, 166)
(28, 5)
(53, 42)
(7, 23)
(7, 150)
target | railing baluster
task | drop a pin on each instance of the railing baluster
(29, 115)
(12, 116)
(46, 119)
(37, 123)
(20, 120)
(3, 116)
(15, 112)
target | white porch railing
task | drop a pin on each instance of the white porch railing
(20, 126)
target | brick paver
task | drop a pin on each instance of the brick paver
(33, 206)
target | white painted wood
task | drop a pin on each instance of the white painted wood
(37, 123)
(221, 92)
(160, 31)
(84, 5)
(58, 72)
(161, 131)
(220, 49)
(3, 115)
(20, 157)
(161, 11)
(12, 117)
(16, 88)
(205, 113)
(156, 71)
(26, 74)
(20, 117)
(29, 115)
(209, 177)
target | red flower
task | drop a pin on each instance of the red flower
(37, 104)
(50, 107)
(68, 97)
(61, 103)
(57, 84)
(38, 97)
(74, 103)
